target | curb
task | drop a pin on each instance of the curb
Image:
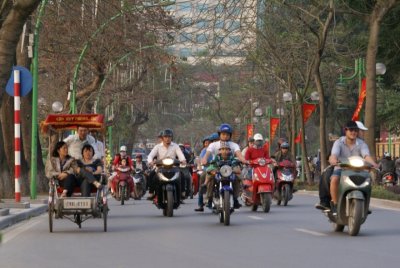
(376, 202)
(24, 214)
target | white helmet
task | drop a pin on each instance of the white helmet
(386, 154)
(123, 148)
(258, 137)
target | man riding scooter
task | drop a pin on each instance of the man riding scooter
(344, 147)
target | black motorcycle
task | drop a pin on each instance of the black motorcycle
(168, 192)
(140, 184)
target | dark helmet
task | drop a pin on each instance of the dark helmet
(214, 136)
(206, 138)
(167, 133)
(225, 128)
(285, 145)
(139, 156)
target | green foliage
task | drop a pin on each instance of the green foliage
(386, 193)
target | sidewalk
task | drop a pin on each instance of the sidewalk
(12, 213)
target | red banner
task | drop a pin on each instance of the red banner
(363, 94)
(250, 130)
(308, 109)
(72, 121)
(298, 137)
(273, 126)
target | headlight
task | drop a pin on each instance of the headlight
(262, 162)
(356, 161)
(168, 162)
(225, 170)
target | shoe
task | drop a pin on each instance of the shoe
(133, 195)
(323, 206)
(334, 209)
(236, 204)
(209, 204)
(199, 209)
(150, 197)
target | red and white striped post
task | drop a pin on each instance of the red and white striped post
(17, 134)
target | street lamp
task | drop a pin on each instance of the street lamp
(57, 107)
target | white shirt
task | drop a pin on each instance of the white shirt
(162, 152)
(75, 145)
(213, 148)
(100, 148)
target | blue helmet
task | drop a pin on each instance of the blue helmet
(214, 136)
(225, 128)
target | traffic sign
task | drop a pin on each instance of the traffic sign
(25, 80)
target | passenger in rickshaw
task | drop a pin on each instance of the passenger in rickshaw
(122, 165)
(76, 141)
(91, 165)
(65, 169)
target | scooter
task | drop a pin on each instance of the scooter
(284, 182)
(140, 184)
(258, 191)
(388, 179)
(353, 196)
(168, 193)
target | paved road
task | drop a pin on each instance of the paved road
(138, 236)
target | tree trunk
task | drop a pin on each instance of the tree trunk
(380, 10)
(10, 33)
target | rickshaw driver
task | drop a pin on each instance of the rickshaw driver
(76, 141)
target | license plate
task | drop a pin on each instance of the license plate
(77, 203)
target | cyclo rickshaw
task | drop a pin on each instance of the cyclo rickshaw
(75, 208)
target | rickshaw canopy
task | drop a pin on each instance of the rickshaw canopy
(72, 121)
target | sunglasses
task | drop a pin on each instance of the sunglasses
(352, 129)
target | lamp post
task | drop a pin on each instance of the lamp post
(301, 146)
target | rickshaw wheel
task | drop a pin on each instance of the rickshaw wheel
(78, 220)
(51, 212)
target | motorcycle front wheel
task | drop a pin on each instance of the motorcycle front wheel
(355, 217)
(266, 201)
(227, 208)
(170, 204)
(285, 194)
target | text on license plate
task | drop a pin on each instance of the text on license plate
(77, 203)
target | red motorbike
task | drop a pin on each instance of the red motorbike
(285, 175)
(123, 185)
(258, 191)
(195, 181)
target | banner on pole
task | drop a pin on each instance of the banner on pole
(363, 94)
(250, 130)
(273, 123)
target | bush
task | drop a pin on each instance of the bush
(389, 193)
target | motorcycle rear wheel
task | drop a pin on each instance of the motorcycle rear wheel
(355, 217)
(122, 194)
(337, 227)
(227, 208)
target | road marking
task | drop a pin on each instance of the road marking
(255, 218)
(8, 236)
(310, 232)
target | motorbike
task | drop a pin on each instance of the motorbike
(258, 190)
(122, 188)
(223, 190)
(353, 195)
(186, 181)
(284, 182)
(388, 179)
(140, 184)
(168, 194)
(195, 181)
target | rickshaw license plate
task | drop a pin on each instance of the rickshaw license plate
(77, 203)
